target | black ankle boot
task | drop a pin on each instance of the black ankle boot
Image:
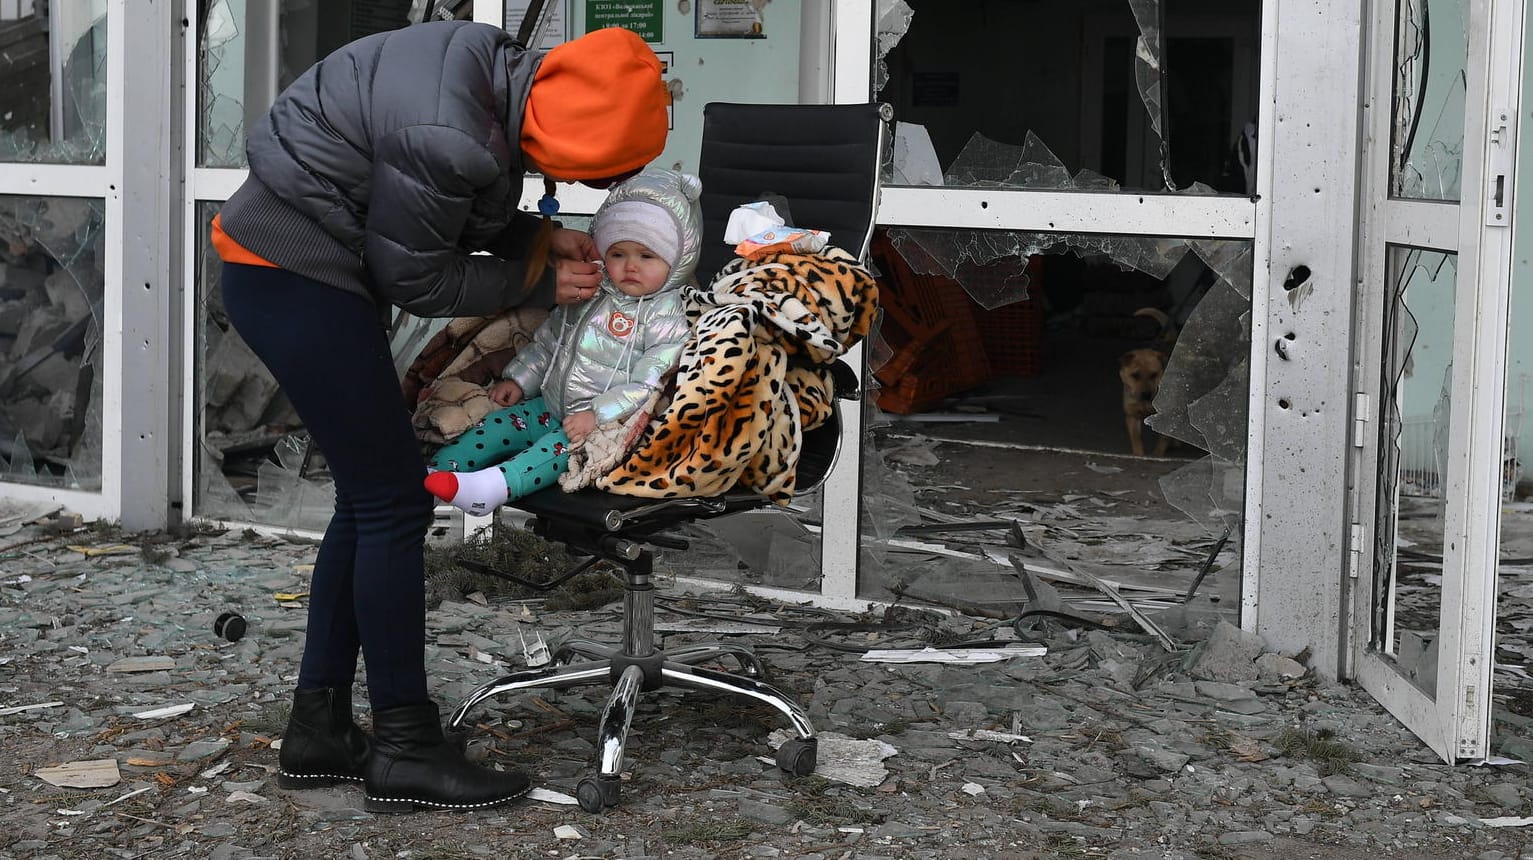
(322, 745)
(412, 766)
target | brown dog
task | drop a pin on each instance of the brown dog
(1141, 370)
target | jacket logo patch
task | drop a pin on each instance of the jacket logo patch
(620, 324)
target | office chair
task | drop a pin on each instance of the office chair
(824, 159)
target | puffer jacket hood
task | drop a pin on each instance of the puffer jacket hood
(610, 353)
(676, 193)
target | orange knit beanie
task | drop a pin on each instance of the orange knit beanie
(596, 108)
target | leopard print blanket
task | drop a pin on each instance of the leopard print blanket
(753, 377)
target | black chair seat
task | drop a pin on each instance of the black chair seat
(586, 518)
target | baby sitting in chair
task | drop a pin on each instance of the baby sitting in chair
(590, 364)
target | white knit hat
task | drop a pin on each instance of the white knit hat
(649, 224)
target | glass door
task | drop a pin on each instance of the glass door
(1433, 288)
(58, 350)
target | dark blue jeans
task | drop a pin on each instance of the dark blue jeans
(329, 352)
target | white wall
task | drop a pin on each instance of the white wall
(737, 70)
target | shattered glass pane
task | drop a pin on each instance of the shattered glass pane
(51, 288)
(221, 113)
(53, 103)
(1414, 414)
(1149, 48)
(772, 547)
(987, 163)
(961, 255)
(249, 51)
(894, 18)
(1108, 85)
(1512, 684)
(1427, 136)
(253, 462)
(1202, 398)
(1028, 462)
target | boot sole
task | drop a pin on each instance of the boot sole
(397, 805)
(299, 782)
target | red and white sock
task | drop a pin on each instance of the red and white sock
(475, 493)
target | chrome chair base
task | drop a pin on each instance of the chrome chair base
(638, 666)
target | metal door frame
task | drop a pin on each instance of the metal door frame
(1455, 722)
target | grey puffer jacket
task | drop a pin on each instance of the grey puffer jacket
(387, 164)
(608, 354)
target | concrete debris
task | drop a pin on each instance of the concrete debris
(1102, 745)
(989, 735)
(94, 773)
(846, 759)
(1508, 821)
(142, 664)
(1229, 654)
(1279, 668)
(167, 711)
(16, 709)
(952, 655)
(724, 626)
(543, 795)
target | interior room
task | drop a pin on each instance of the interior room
(1003, 357)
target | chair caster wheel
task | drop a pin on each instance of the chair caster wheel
(597, 794)
(798, 756)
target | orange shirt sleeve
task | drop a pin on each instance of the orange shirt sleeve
(231, 251)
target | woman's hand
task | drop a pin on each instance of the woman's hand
(572, 245)
(579, 425)
(575, 276)
(575, 281)
(506, 392)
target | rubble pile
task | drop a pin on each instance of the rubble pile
(130, 726)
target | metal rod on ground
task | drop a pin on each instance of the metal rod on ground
(1208, 563)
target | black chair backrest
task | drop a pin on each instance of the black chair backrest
(823, 159)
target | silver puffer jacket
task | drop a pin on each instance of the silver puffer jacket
(610, 353)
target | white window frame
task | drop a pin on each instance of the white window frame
(138, 442)
(1454, 720)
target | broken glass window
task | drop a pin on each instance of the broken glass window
(995, 367)
(249, 51)
(1427, 138)
(1110, 84)
(51, 288)
(893, 22)
(1414, 411)
(1203, 402)
(253, 460)
(220, 91)
(53, 63)
(1512, 687)
(1149, 49)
